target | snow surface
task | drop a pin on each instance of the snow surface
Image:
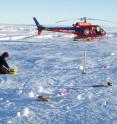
(51, 65)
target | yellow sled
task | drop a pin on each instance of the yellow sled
(12, 71)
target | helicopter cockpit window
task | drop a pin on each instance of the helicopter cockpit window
(98, 29)
(93, 28)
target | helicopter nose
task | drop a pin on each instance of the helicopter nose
(103, 32)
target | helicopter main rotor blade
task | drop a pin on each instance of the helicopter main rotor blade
(65, 20)
(84, 19)
(101, 20)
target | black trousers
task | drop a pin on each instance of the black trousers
(3, 70)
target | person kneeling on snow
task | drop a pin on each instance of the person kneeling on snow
(4, 67)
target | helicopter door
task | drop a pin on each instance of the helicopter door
(93, 30)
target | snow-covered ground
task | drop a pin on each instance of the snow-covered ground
(51, 65)
(16, 32)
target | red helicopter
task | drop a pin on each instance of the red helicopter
(81, 30)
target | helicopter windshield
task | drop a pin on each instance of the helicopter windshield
(98, 29)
